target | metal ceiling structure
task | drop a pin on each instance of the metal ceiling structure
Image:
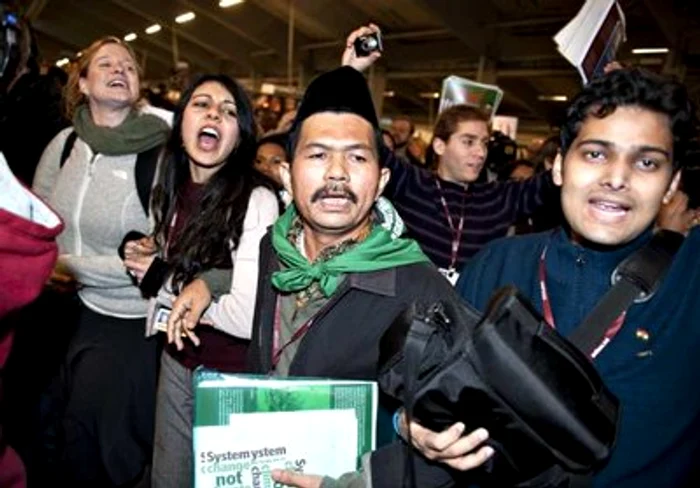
(287, 42)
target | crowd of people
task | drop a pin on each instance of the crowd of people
(191, 237)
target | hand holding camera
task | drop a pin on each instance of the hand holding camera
(363, 47)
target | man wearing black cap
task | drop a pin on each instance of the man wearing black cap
(334, 271)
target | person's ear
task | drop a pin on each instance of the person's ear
(82, 86)
(672, 188)
(439, 146)
(384, 177)
(286, 176)
(557, 170)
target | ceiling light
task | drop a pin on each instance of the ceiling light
(181, 19)
(153, 29)
(131, 36)
(389, 93)
(228, 3)
(62, 62)
(80, 53)
(429, 95)
(650, 50)
(552, 98)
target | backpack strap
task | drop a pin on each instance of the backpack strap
(67, 147)
(635, 279)
(144, 172)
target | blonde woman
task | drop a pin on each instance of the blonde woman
(97, 174)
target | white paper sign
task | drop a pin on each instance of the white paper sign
(242, 454)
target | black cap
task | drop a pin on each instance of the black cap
(341, 90)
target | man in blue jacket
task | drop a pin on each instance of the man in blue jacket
(624, 145)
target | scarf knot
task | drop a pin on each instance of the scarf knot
(380, 250)
(317, 272)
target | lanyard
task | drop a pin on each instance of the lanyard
(456, 232)
(613, 329)
(277, 350)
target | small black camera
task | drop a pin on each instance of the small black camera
(366, 45)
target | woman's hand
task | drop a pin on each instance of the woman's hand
(137, 266)
(138, 256)
(145, 246)
(187, 311)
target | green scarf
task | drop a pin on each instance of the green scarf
(138, 133)
(378, 251)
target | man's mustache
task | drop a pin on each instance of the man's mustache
(334, 191)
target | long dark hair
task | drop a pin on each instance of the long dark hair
(217, 220)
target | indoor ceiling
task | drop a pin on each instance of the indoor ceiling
(508, 42)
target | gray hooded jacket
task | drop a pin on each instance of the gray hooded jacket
(96, 196)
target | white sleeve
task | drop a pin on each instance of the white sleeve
(233, 312)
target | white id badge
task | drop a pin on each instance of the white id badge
(450, 274)
(161, 319)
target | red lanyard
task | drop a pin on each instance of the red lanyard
(456, 232)
(614, 328)
(298, 334)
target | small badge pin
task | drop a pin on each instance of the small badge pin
(642, 335)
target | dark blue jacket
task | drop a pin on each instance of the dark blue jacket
(656, 380)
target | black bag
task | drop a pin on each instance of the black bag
(551, 419)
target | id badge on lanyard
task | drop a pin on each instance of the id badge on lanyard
(451, 273)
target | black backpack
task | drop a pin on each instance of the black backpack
(144, 170)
